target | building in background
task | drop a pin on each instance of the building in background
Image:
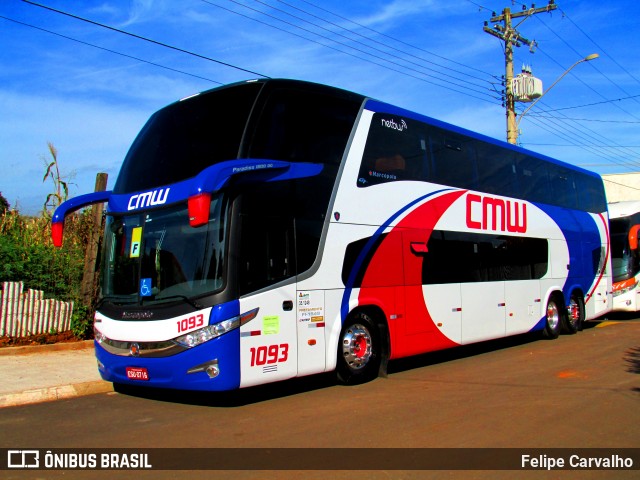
(621, 187)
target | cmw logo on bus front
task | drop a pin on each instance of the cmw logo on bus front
(148, 199)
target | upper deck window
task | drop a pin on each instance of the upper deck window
(184, 138)
(400, 148)
(298, 125)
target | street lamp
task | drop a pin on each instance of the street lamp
(588, 58)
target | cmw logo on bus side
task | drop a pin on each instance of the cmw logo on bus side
(402, 126)
(148, 199)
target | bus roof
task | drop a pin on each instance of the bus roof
(624, 209)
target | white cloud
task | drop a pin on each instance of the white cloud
(90, 137)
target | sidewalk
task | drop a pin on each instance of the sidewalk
(44, 373)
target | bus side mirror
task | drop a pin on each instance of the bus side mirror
(57, 230)
(633, 237)
(65, 208)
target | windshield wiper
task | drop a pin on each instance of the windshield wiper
(117, 300)
(191, 302)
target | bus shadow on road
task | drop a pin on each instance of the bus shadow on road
(235, 398)
(457, 353)
(442, 356)
(632, 357)
(297, 386)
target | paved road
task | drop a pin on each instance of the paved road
(578, 391)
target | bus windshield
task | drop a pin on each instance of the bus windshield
(624, 261)
(156, 256)
(181, 140)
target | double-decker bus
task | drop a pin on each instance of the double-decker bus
(271, 229)
(624, 220)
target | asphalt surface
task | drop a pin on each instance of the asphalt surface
(43, 373)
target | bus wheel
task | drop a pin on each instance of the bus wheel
(575, 314)
(358, 350)
(554, 318)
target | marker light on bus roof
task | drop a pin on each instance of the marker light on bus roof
(199, 206)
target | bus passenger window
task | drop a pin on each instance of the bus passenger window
(393, 163)
(453, 161)
(396, 150)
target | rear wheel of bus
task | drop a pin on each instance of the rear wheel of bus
(554, 316)
(359, 350)
(575, 314)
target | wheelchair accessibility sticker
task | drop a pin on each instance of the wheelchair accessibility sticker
(145, 287)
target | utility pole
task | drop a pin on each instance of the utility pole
(512, 38)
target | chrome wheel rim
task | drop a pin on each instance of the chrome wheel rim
(553, 316)
(574, 312)
(357, 346)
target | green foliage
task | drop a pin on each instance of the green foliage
(28, 255)
(4, 204)
(82, 321)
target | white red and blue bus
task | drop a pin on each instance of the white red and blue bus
(274, 228)
(624, 220)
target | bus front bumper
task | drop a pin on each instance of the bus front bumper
(213, 366)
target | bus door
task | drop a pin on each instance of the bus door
(601, 297)
(482, 288)
(523, 305)
(266, 281)
(483, 311)
(268, 346)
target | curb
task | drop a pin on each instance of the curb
(50, 394)
(51, 347)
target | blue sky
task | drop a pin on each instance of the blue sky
(88, 89)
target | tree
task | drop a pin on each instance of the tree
(4, 205)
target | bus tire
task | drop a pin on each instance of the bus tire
(554, 315)
(575, 314)
(359, 350)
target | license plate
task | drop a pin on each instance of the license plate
(135, 373)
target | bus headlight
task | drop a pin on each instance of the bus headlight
(198, 337)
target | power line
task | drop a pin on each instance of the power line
(397, 40)
(480, 7)
(385, 45)
(600, 47)
(585, 138)
(592, 66)
(571, 145)
(537, 115)
(592, 104)
(109, 50)
(422, 79)
(448, 77)
(139, 37)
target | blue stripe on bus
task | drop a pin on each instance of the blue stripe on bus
(212, 179)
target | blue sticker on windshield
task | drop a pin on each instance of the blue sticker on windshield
(145, 287)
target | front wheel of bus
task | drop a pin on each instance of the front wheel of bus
(554, 318)
(359, 352)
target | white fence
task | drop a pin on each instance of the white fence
(29, 313)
